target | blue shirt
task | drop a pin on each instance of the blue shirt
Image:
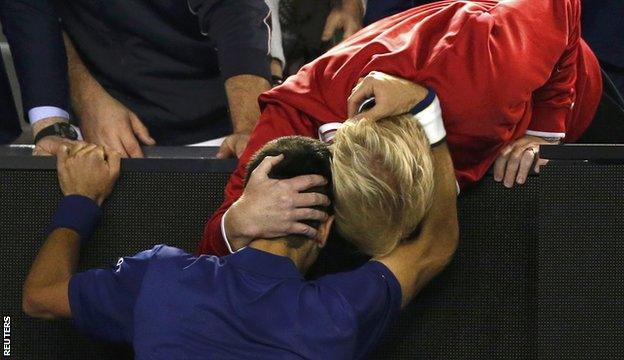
(250, 304)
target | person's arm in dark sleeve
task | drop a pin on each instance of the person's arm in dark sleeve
(34, 34)
(241, 32)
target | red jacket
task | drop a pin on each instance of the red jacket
(500, 69)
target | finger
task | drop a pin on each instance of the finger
(303, 200)
(226, 150)
(375, 113)
(113, 158)
(512, 166)
(39, 151)
(98, 152)
(62, 154)
(351, 28)
(304, 182)
(302, 229)
(331, 25)
(77, 147)
(539, 163)
(501, 163)
(114, 143)
(84, 150)
(361, 92)
(308, 214)
(241, 145)
(262, 171)
(131, 146)
(140, 130)
(525, 165)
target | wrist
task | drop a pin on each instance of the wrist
(428, 113)
(243, 131)
(44, 123)
(78, 213)
(236, 232)
(62, 130)
(98, 199)
(420, 95)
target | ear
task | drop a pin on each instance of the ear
(323, 231)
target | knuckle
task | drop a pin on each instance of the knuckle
(514, 158)
(285, 200)
(304, 230)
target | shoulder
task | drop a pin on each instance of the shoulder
(159, 254)
(371, 286)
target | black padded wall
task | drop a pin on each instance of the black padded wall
(581, 262)
(146, 208)
(479, 308)
(538, 272)
(482, 305)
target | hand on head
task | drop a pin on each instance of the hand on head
(272, 208)
(393, 96)
(87, 169)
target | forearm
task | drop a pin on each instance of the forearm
(416, 262)
(50, 274)
(45, 288)
(242, 92)
(437, 242)
(83, 86)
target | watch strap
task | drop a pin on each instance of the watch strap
(54, 130)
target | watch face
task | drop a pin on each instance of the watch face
(66, 131)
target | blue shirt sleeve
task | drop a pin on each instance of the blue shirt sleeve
(102, 300)
(373, 295)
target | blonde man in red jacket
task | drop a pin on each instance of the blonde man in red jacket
(510, 75)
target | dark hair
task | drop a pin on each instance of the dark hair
(302, 156)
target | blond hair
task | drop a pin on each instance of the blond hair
(383, 181)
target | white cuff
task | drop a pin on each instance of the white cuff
(327, 132)
(225, 239)
(545, 134)
(429, 114)
(43, 112)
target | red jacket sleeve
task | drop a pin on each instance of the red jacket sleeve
(276, 120)
(553, 102)
(501, 59)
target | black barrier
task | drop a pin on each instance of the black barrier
(581, 261)
(499, 298)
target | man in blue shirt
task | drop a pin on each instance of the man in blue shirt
(250, 304)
